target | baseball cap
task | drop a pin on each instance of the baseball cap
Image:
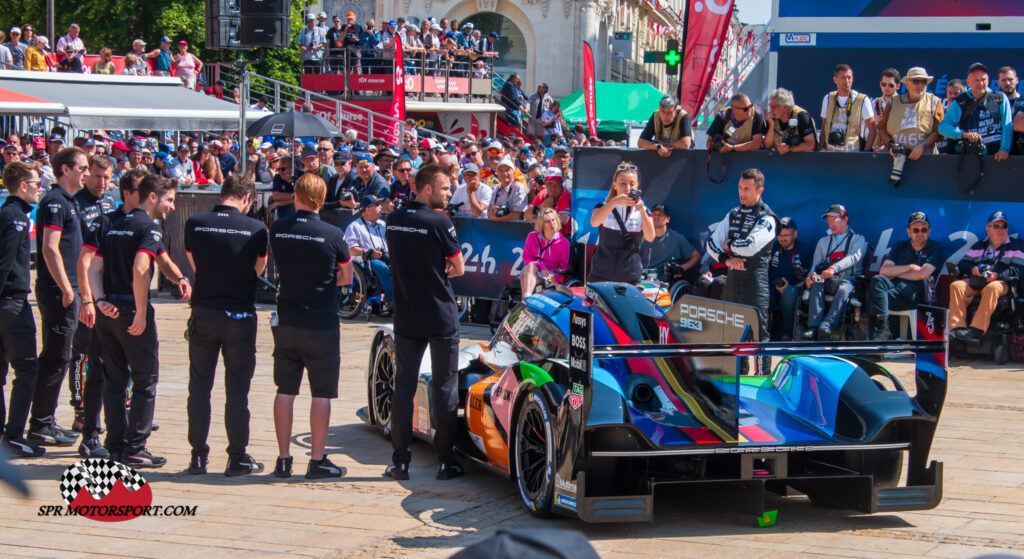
(367, 201)
(280, 143)
(164, 39)
(203, 147)
(787, 223)
(998, 216)
(553, 174)
(493, 34)
(835, 210)
(38, 143)
(506, 162)
(388, 152)
(163, 156)
(495, 144)
(392, 23)
(89, 143)
(308, 151)
(119, 145)
(449, 35)
(56, 138)
(917, 216)
(660, 208)
(562, 147)
(343, 151)
(16, 29)
(266, 145)
(350, 15)
(435, 27)
(428, 143)
(216, 144)
(183, 42)
(310, 16)
(364, 157)
(138, 42)
(136, 146)
(977, 66)
(470, 168)
(122, 159)
(322, 14)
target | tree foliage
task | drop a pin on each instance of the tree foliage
(116, 23)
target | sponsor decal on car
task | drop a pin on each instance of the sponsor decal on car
(564, 485)
(576, 397)
(478, 441)
(565, 501)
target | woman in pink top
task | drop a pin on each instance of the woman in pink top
(546, 253)
(187, 65)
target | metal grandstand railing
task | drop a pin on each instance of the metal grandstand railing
(280, 96)
(735, 77)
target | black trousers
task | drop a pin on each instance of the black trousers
(59, 324)
(750, 287)
(128, 358)
(87, 373)
(17, 347)
(444, 393)
(80, 346)
(213, 333)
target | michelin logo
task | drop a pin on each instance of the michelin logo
(565, 502)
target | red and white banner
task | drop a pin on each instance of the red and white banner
(706, 24)
(589, 91)
(398, 96)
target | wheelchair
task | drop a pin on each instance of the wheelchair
(849, 327)
(1007, 321)
(363, 295)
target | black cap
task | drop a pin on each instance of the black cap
(917, 216)
(977, 66)
(998, 216)
(661, 208)
(836, 210)
(787, 223)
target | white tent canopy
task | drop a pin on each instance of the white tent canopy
(93, 101)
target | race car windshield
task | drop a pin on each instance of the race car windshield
(531, 337)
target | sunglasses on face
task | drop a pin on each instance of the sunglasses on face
(887, 85)
(999, 226)
(471, 153)
(407, 170)
(919, 81)
(625, 167)
(919, 230)
(494, 152)
(325, 149)
(747, 108)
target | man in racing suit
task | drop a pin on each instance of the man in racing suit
(743, 242)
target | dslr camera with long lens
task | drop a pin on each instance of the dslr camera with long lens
(837, 138)
(346, 193)
(979, 281)
(717, 143)
(793, 140)
(899, 158)
(973, 148)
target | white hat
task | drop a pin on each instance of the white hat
(322, 14)
(266, 145)
(16, 29)
(310, 16)
(435, 27)
(915, 73)
(506, 162)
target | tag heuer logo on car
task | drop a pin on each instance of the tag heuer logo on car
(576, 397)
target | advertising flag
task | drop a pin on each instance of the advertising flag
(707, 22)
(589, 92)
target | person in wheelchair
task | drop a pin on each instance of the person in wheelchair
(365, 238)
(988, 269)
(546, 253)
(667, 247)
(903, 281)
(837, 261)
(787, 270)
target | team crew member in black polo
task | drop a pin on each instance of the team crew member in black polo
(91, 202)
(17, 326)
(57, 246)
(424, 255)
(228, 251)
(312, 260)
(120, 276)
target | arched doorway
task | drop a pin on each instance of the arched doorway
(511, 44)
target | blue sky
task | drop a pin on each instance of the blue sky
(754, 11)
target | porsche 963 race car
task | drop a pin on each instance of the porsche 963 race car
(590, 399)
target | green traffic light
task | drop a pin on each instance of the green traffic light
(672, 57)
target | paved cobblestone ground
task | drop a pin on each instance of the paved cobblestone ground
(364, 516)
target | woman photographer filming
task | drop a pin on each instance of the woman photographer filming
(623, 222)
(546, 253)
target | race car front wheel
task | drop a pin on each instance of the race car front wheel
(382, 381)
(533, 455)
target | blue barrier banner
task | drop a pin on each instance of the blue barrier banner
(803, 185)
(493, 252)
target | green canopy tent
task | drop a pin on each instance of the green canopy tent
(618, 104)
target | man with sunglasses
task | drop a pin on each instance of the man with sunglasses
(911, 119)
(989, 268)
(740, 127)
(847, 115)
(903, 282)
(979, 116)
(889, 84)
(11, 153)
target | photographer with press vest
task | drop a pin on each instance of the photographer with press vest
(979, 118)
(668, 128)
(790, 128)
(738, 128)
(847, 115)
(910, 122)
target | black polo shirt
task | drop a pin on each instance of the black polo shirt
(903, 254)
(57, 211)
(90, 208)
(14, 247)
(130, 235)
(420, 242)
(225, 244)
(307, 252)
(99, 227)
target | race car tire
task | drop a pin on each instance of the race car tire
(352, 302)
(678, 289)
(533, 455)
(382, 382)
